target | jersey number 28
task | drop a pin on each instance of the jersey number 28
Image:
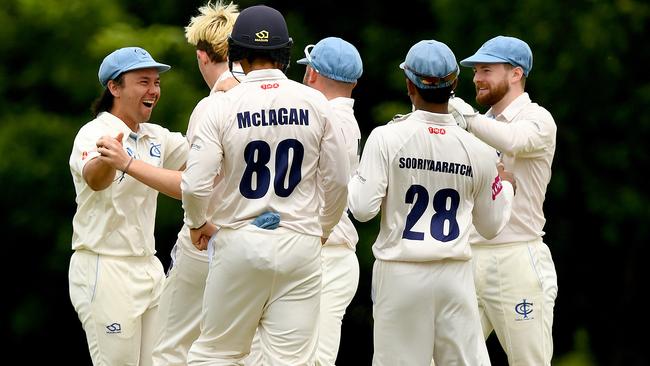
(445, 205)
(288, 161)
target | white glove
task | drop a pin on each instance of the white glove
(460, 110)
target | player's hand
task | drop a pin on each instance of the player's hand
(112, 151)
(201, 236)
(507, 176)
(268, 220)
(461, 110)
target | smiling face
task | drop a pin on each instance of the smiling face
(136, 96)
(491, 82)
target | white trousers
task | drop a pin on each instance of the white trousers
(270, 278)
(516, 286)
(179, 310)
(340, 268)
(424, 311)
(116, 299)
(340, 282)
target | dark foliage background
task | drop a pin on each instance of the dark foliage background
(589, 71)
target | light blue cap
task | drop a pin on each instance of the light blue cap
(127, 59)
(502, 49)
(335, 59)
(430, 64)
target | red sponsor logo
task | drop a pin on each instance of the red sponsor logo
(437, 131)
(270, 86)
(84, 155)
(496, 187)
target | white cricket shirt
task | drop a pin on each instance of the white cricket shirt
(344, 232)
(525, 134)
(431, 179)
(268, 137)
(184, 234)
(119, 220)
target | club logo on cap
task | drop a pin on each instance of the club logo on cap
(262, 36)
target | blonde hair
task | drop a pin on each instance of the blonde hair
(209, 30)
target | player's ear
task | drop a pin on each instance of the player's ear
(517, 74)
(114, 88)
(312, 74)
(203, 57)
(410, 87)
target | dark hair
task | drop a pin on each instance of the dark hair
(104, 102)
(280, 55)
(439, 95)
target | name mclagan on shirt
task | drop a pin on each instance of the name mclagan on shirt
(273, 117)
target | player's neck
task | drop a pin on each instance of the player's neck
(257, 64)
(421, 104)
(504, 102)
(215, 72)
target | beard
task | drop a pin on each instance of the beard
(493, 94)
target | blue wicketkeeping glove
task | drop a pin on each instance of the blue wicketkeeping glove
(268, 220)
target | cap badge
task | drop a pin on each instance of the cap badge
(262, 36)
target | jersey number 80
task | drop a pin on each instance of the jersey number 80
(288, 160)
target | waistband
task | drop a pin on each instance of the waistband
(134, 258)
(336, 250)
(536, 241)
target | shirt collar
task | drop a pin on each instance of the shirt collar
(117, 123)
(342, 101)
(264, 74)
(437, 118)
(513, 109)
(225, 75)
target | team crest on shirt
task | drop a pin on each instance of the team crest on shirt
(524, 311)
(84, 155)
(113, 328)
(154, 150)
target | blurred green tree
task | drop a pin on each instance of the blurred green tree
(589, 71)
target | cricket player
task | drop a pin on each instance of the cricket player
(515, 276)
(333, 68)
(273, 141)
(179, 313)
(119, 163)
(431, 180)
